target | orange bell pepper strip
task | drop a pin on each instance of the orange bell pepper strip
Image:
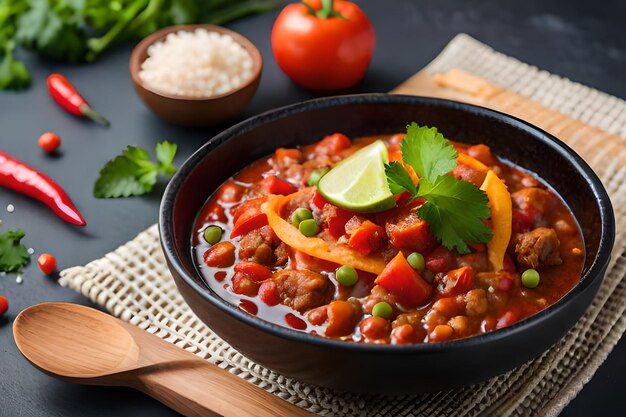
(314, 246)
(472, 162)
(501, 219)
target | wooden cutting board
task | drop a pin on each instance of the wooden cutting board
(462, 86)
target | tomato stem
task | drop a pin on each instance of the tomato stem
(327, 10)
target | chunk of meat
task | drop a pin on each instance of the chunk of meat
(303, 290)
(483, 154)
(476, 302)
(537, 248)
(537, 198)
(410, 232)
(263, 247)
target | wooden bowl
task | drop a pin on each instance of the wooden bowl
(388, 369)
(195, 111)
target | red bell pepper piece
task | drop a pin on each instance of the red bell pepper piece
(400, 278)
(317, 200)
(332, 144)
(337, 220)
(367, 238)
(253, 270)
(275, 185)
(248, 216)
(458, 281)
(20, 177)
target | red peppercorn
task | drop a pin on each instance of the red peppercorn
(49, 142)
(4, 305)
(47, 263)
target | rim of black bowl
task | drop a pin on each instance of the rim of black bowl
(594, 272)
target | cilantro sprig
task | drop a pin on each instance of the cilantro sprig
(454, 209)
(133, 173)
(13, 254)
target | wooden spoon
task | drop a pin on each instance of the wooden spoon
(83, 345)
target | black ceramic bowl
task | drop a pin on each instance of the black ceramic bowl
(374, 368)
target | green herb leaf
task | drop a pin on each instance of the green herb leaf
(13, 73)
(455, 211)
(13, 255)
(428, 152)
(133, 173)
(165, 152)
(399, 179)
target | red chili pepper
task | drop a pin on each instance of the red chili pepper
(64, 93)
(20, 177)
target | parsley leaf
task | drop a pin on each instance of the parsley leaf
(428, 152)
(399, 179)
(13, 72)
(455, 211)
(13, 255)
(133, 173)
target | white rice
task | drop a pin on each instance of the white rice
(198, 64)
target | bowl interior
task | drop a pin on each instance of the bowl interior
(363, 115)
(140, 54)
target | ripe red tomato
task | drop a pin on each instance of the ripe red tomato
(4, 305)
(47, 263)
(49, 142)
(323, 53)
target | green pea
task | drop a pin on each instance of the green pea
(382, 309)
(317, 175)
(308, 227)
(346, 275)
(213, 234)
(530, 278)
(416, 260)
(299, 215)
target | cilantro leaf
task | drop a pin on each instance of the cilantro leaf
(133, 173)
(13, 73)
(428, 152)
(399, 179)
(455, 211)
(13, 255)
(165, 152)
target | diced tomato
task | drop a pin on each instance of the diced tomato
(268, 293)
(402, 198)
(509, 317)
(336, 219)
(408, 285)
(244, 285)
(341, 318)
(375, 328)
(248, 216)
(221, 255)
(411, 232)
(457, 281)
(275, 185)
(317, 200)
(524, 220)
(332, 144)
(282, 154)
(253, 270)
(439, 260)
(367, 238)
(404, 335)
(230, 192)
(216, 213)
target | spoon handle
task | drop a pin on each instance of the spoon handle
(194, 387)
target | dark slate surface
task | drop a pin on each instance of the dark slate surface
(584, 41)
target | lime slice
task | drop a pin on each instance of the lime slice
(358, 183)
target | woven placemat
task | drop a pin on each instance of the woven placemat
(133, 282)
